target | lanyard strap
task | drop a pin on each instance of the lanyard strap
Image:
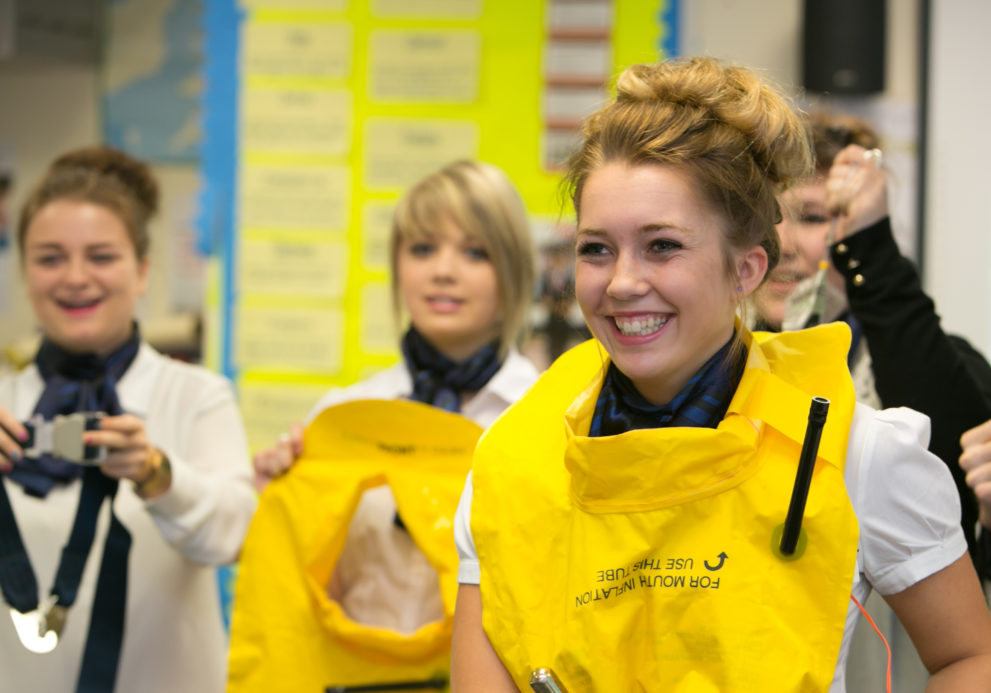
(17, 581)
(106, 624)
(19, 585)
(76, 550)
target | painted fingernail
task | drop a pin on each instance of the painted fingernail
(22, 436)
(15, 455)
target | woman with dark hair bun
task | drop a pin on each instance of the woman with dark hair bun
(461, 255)
(839, 217)
(126, 474)
(840, 262)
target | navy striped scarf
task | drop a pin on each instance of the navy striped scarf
(701, 403)
(438, 380)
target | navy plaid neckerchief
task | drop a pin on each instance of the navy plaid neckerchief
(438, 380)
(73, 383)
(702, 402)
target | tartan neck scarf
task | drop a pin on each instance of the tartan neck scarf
(702, 402)
(438, 380)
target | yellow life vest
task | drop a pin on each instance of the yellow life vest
(286, 633)
(648, 561)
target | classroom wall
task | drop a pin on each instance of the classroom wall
(768, 34)
(771, 39)
(48, 108)
(958, 239)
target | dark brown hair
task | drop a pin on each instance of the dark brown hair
(103, 176)
(832, 132)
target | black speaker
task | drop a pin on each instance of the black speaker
(843, 46)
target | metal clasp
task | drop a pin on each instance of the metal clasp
(62, 438)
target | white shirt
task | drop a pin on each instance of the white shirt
(174, 638)
(904, 498)
(381, 577)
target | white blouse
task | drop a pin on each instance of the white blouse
(174, 637)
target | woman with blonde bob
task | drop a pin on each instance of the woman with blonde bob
(462, 274)
(624, 526)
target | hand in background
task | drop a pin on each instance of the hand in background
(976, 461)
(277, 459)
(856, 190)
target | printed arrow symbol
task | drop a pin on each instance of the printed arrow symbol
(722, 559)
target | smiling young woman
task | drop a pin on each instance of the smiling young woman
(462, 264)
(82, 275)
(841, 215)
(621, 525)
(450, 289)
(651, 276)
(176, 475)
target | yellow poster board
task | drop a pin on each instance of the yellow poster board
(342, 105)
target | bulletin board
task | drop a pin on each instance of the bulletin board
(319, 113)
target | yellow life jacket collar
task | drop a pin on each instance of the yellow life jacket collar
(606, 472)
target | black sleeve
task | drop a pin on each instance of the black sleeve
(915, 363)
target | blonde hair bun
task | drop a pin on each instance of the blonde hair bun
(738, 97)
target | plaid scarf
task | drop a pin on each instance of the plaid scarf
(438, 380)
(702, 402)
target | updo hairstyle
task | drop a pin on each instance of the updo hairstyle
(102, 176)
(733, 132)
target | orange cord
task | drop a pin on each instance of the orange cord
(879, 634)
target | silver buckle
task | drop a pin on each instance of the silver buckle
(62, 438)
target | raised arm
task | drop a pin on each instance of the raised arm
(914, 362)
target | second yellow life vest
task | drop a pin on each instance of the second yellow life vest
(286, 633)
(648, 561)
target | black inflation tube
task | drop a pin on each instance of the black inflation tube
(803, 478)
